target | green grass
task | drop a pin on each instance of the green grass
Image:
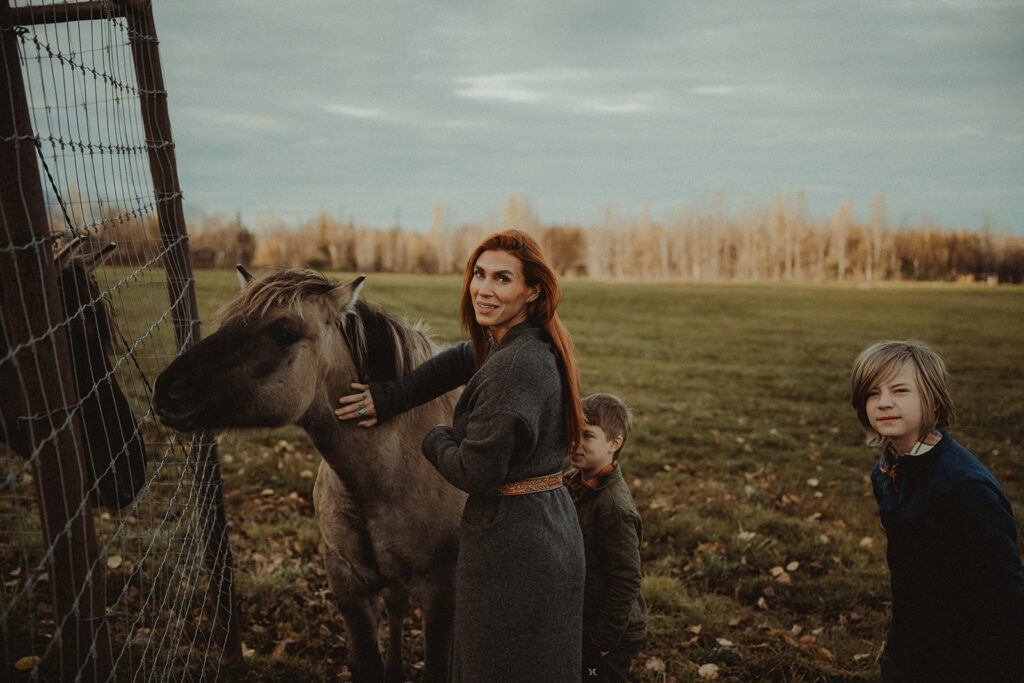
(746, 458)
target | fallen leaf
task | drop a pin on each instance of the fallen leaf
(867, 542)
(695, 629)
(708, 671)
(823, 654)
(792, 566)
(114, 561)
(656, 665)
(812, 482)
(725, 642)
(26, 663)
(762, 603)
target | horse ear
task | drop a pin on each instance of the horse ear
(66, 254)
(102, 254)
(244, 276)
(343, 297)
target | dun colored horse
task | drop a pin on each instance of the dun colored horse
(115, 453)
(287, 348)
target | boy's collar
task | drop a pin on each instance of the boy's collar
(578, 485)
(891, 457)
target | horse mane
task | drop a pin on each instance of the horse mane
(382, 347)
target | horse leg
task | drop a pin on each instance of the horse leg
(395, 600)
(359, 605)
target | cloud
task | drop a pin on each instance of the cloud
(233, 119)
(717, 90)
(515, 88)
(355, 112)
(622, 107)
(525, 87)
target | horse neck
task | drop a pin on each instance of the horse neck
(371, 462)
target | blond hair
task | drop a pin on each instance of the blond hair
(883, 360)
(610, 414)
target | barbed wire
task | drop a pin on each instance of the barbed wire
(93, 165)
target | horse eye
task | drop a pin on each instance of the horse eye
(286, 336)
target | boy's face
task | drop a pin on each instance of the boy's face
(595, 451)
(895, 410)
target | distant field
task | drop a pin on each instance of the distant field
(764, 555)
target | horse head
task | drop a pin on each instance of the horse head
(115, 454)
(114, 448)
(278, 346)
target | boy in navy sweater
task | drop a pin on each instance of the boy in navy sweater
(955, 572)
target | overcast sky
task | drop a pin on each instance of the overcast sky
(380, 110)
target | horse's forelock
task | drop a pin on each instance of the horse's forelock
(288, 289)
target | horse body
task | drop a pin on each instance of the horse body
(115, 455)
(285, 351)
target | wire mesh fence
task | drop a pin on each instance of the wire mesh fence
(94, 489)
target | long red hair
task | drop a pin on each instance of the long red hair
(541, 311)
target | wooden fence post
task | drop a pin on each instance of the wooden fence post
(185, 309)
(33, 315)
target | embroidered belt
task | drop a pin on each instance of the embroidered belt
(534, 485)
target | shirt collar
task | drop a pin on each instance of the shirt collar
(890, 457)
(578, 486)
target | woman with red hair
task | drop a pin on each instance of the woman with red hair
(519, 575)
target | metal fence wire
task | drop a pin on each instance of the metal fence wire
(113, 556)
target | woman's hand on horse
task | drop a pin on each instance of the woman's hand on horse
(358, 406)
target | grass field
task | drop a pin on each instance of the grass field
(763, 554)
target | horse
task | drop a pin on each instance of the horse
(288, 346)
(115, 453)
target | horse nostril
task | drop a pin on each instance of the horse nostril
(168, 391)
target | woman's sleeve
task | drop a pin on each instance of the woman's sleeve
(479, 463)
(435, 377)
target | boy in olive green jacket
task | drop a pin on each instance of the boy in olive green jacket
(614, 612)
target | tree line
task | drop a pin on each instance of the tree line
(777, 242)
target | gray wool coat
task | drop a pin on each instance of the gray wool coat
(520, 571)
